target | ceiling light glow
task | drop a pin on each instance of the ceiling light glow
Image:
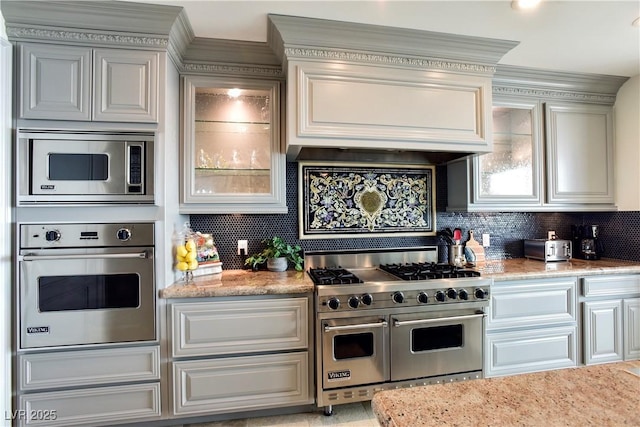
(524, 4)
(234, 93)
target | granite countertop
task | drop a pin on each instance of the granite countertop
(246, 282)
(600, 395)
(241, 282)
(524, 268)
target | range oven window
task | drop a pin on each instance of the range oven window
(350, 346)
(436, 338)
(78, 167)
(88, 292)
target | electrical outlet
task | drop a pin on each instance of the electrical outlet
(486, 240)
(243, 247)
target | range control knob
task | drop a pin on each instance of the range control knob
(353, 302)
(423, 298)
(463, 294)
(123, 234)
(440, 296)
(398, 297)
(366, 299)
(480, 293)
(452, 293)
(52, 236)
(333, 303)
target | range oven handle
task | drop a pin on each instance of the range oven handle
(382, 324)
(397, 323)
(136, 255)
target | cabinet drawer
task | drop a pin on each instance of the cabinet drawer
(88, 367)
(94, 406)
(601, 286)
(241, 383)
(226, 327)
(532, 303)
(518, 352)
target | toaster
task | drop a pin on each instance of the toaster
(548, 250)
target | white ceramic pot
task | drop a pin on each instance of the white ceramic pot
(277, 264)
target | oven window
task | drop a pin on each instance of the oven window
(88, 292)
(436, 338)
(353, 345)
(78, 167)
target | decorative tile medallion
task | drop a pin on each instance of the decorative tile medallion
(358, 200)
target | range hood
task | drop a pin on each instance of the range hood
(359, 92)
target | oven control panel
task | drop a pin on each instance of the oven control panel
(402, 298)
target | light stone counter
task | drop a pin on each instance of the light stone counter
(601, 395)
(523, 268)
(241, 282)
(246, 282)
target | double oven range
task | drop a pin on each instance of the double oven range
(393, 318)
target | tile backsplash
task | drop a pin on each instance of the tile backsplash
(620, 231)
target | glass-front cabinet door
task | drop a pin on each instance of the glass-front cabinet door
(510, 175)
(232, 155)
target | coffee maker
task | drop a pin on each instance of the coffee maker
(586, 242)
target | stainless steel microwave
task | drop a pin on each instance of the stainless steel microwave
(62, 167)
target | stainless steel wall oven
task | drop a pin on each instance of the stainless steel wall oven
(85, 284)
(394, 318)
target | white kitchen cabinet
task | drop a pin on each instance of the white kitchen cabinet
(520, 351)
(92, 406)
(239, 354)
(531, 326)
(232, 158)
(602, 331)
(234, 327)
(610, 318)
(233, 384)
(631, 321)
(79, 83)
(579, 146)
(359, 106)
(88, 387)
(548, 155)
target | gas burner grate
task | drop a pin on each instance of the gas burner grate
(333, 276)
(427, 271)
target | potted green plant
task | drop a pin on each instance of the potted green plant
(277, 254)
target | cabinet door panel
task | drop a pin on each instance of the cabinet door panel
(511, 173)
(631, 329)
(228, 327)
(532, 303)
(518, 352)
(602, 331)
(126, 86)
(579, 153)
(60, 369)
(93, 406)
(240, 383)
(55, 82)
(231, 153)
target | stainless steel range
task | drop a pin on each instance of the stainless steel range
(394, 318)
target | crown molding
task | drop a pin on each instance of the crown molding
(99, 16)
(398, 46)
(232, 69)
(395, 60)
(532, 82)
(82, 37)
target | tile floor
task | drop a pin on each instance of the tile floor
(351, 415)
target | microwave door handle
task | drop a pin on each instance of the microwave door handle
(382, 324)
(397, 323)
(136, 255)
